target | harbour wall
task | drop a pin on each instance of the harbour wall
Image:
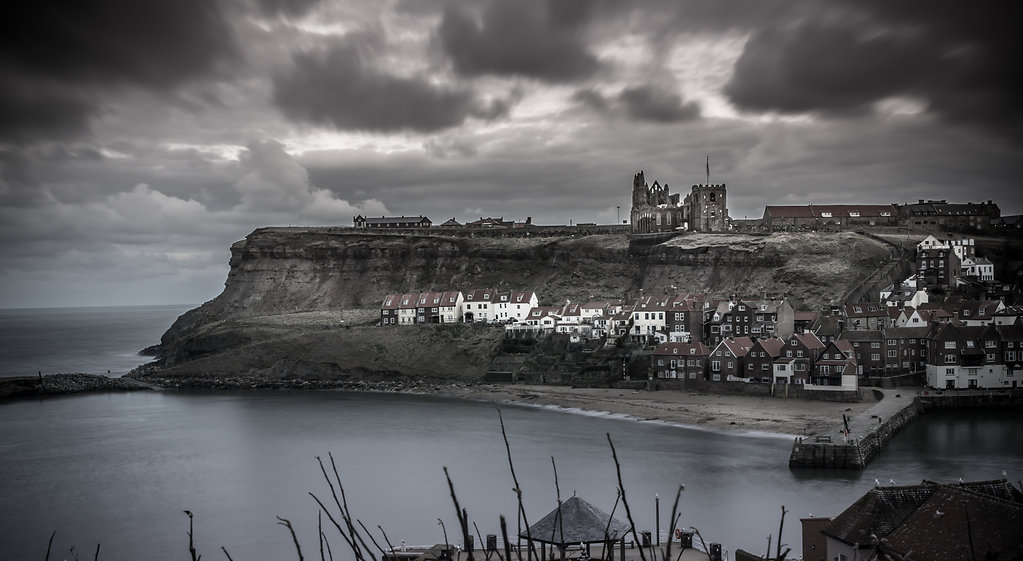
(835, 451)
(885, 420)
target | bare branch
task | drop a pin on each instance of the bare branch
(625, 502)
(287, 524)
(463, 516)
(781, 525)
(340, 530)
(96, 556)
(486, 553)
(386, 539)
(191, 545)
(607, 528)
(557, 490)
(50, 545)
(224, 549)
(507, 544)
(518, 490)
(375, 544)
(674, 521)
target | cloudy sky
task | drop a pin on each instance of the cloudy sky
(138, 140)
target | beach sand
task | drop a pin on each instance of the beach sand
(788, 416)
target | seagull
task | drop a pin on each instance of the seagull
(891, 482)
(876, 482)
(960, 480)
(1004, 475)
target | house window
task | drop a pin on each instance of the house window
(950, 359)
(950, 344)
(875, 345)
(875, 357)
(715, 365)
(893, 353)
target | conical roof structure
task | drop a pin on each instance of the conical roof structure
(579, 522)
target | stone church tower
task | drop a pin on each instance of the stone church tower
(706, 208)
(655, 209)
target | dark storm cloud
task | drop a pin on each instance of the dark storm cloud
(288, 8)
(62, 56)
(823, 67)
(959, 59)
(340, 87)
(647, 103)
(642, 103)
(533, 39)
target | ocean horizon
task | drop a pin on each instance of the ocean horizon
(90, 339)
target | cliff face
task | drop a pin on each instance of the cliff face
(278, 271)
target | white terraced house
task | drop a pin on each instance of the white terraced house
(514, 306)
(480, 306)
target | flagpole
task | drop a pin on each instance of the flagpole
(708, 171)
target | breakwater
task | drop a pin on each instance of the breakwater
(61, 384)
(869, 431)
(857, 449)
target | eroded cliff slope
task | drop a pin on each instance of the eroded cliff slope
(340, 276)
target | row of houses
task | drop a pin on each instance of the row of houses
(801, 359)
(404, 222)
(950, 355)
(474, 306)
(929, 215)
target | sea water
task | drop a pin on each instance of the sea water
(98, 340)
(120, 469)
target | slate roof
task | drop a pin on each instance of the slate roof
(884, 509)
(878, 512)
(953, 518)
(682, 349)
(579, 522)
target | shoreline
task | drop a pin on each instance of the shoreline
(737, 414)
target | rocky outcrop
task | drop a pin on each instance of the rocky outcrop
(325, 277)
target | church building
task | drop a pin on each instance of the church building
(655, 209)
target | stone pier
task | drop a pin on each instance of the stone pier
(868, 432)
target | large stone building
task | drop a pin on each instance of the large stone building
(655, 209)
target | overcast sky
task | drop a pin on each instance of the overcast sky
(138, 140)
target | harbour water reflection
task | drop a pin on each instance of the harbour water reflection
(119, 469)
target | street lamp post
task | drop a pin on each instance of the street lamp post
(657, 518)
(619, 210)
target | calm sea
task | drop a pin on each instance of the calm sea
(120, 469)
(88, 340)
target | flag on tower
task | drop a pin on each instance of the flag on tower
(708, 170)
